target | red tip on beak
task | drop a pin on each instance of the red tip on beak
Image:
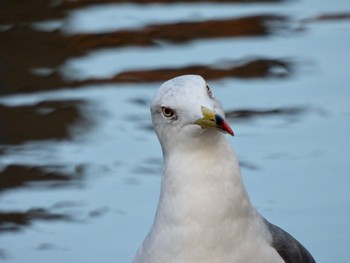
(222, 124)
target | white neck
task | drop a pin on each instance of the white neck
(198, 190)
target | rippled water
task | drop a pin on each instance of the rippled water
(80, 165)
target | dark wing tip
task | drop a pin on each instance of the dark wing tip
(288, 247)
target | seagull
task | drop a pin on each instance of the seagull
(204, 214)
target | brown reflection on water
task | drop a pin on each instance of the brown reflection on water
(14, 176)
(16, 220)
(328, 17)
(184, 32)
(257, 68)
(248, 114)
(80, 3)
(42, 121)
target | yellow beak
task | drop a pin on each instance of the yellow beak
(212, 119)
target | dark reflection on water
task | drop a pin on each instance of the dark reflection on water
(246, 69)
(14, 176)
(140, 101)
(42, 121)
(183, 32)
(16, 220)
(248, 114)
(151, 166)
(20, 12)
(328, 17)
(80, 3)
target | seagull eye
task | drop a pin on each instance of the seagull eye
(209, 91)
(167, 112)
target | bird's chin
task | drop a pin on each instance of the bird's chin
(212, 132)
(195, 131)
(192, 130)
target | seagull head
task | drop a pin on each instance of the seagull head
(185, 109)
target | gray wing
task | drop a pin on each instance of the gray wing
(288, 247)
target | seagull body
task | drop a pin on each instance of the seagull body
(204, 213)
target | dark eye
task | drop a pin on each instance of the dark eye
(209, 91)
(167, 112)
